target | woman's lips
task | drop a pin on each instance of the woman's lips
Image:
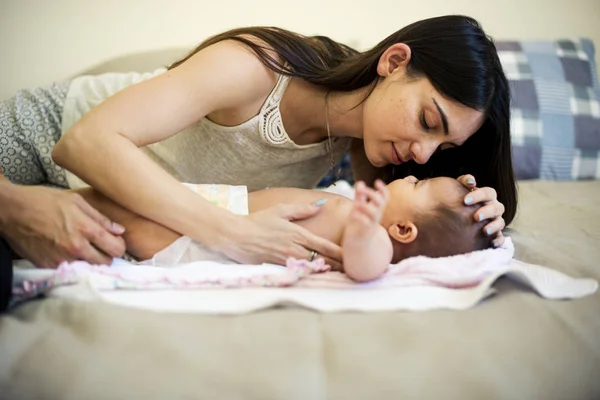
(396, 159)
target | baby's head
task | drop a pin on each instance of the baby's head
(429, 218)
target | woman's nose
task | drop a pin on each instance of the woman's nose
(422, 152)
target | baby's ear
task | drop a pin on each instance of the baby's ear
(403, 232)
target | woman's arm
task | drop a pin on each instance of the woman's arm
(144, 238)
(102, 149)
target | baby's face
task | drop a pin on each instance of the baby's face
(410, 196)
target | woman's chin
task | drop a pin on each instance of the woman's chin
(378, 162)
(375, 159)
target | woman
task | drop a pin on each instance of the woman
(431, 99)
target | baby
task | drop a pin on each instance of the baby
(382, 225)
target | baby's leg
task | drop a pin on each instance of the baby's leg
(143, 237)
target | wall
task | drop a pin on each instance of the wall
(42, 41)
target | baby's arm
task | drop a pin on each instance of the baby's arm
(367, 248)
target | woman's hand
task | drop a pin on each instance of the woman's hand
(48, 226)
(492, 209)
(269, 236)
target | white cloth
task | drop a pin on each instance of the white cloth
(416, 284)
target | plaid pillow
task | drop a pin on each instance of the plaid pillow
(555, 110)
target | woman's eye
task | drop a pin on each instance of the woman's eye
(424, 122)
(445, 146)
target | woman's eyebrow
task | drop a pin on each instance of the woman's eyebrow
(444, 117)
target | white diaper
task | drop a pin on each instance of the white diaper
(185, 250)
(232, 198)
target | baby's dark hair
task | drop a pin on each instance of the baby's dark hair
(449, 230)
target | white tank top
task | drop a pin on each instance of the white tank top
(257, 153)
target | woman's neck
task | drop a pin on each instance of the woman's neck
(303, 112)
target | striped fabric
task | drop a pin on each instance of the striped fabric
(555, 108)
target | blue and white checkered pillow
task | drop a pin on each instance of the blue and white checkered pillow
(555, 108)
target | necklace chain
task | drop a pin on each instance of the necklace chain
(330, 141)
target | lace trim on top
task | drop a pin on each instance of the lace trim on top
(270, 123)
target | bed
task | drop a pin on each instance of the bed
(514, 345)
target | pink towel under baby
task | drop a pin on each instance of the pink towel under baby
(451, 273)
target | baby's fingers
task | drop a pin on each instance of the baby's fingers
(367, 209)
(360, 194)
(361, 217)
(377, 197)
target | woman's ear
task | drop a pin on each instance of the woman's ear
(403, 232)
(396, 56)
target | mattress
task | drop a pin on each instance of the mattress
(514, 345)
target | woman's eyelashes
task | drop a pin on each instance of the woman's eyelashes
(424, 121)
(427, 126)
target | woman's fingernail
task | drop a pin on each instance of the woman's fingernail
(320, 202)
(495, 244)
(481, 217)
(488, 231)
(471, 181)
(468, 200)
(118, 228)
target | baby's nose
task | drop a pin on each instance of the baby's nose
(411, 179)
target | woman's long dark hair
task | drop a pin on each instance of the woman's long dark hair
(453, 52)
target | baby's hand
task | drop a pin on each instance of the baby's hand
(368, 209)
(366, 245)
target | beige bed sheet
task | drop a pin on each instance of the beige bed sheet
(513, 346)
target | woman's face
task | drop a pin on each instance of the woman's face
(406, 119)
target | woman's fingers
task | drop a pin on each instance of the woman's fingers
(499, 240)
(297, 212)
(492, 210)
(306, 253)
(324, 247)
(99, 231)
(494, 227)
(467, 180)
(92, 255)
(480, 195)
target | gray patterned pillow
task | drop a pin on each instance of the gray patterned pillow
(555, 108)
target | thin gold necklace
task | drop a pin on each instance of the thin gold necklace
(330, 141)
